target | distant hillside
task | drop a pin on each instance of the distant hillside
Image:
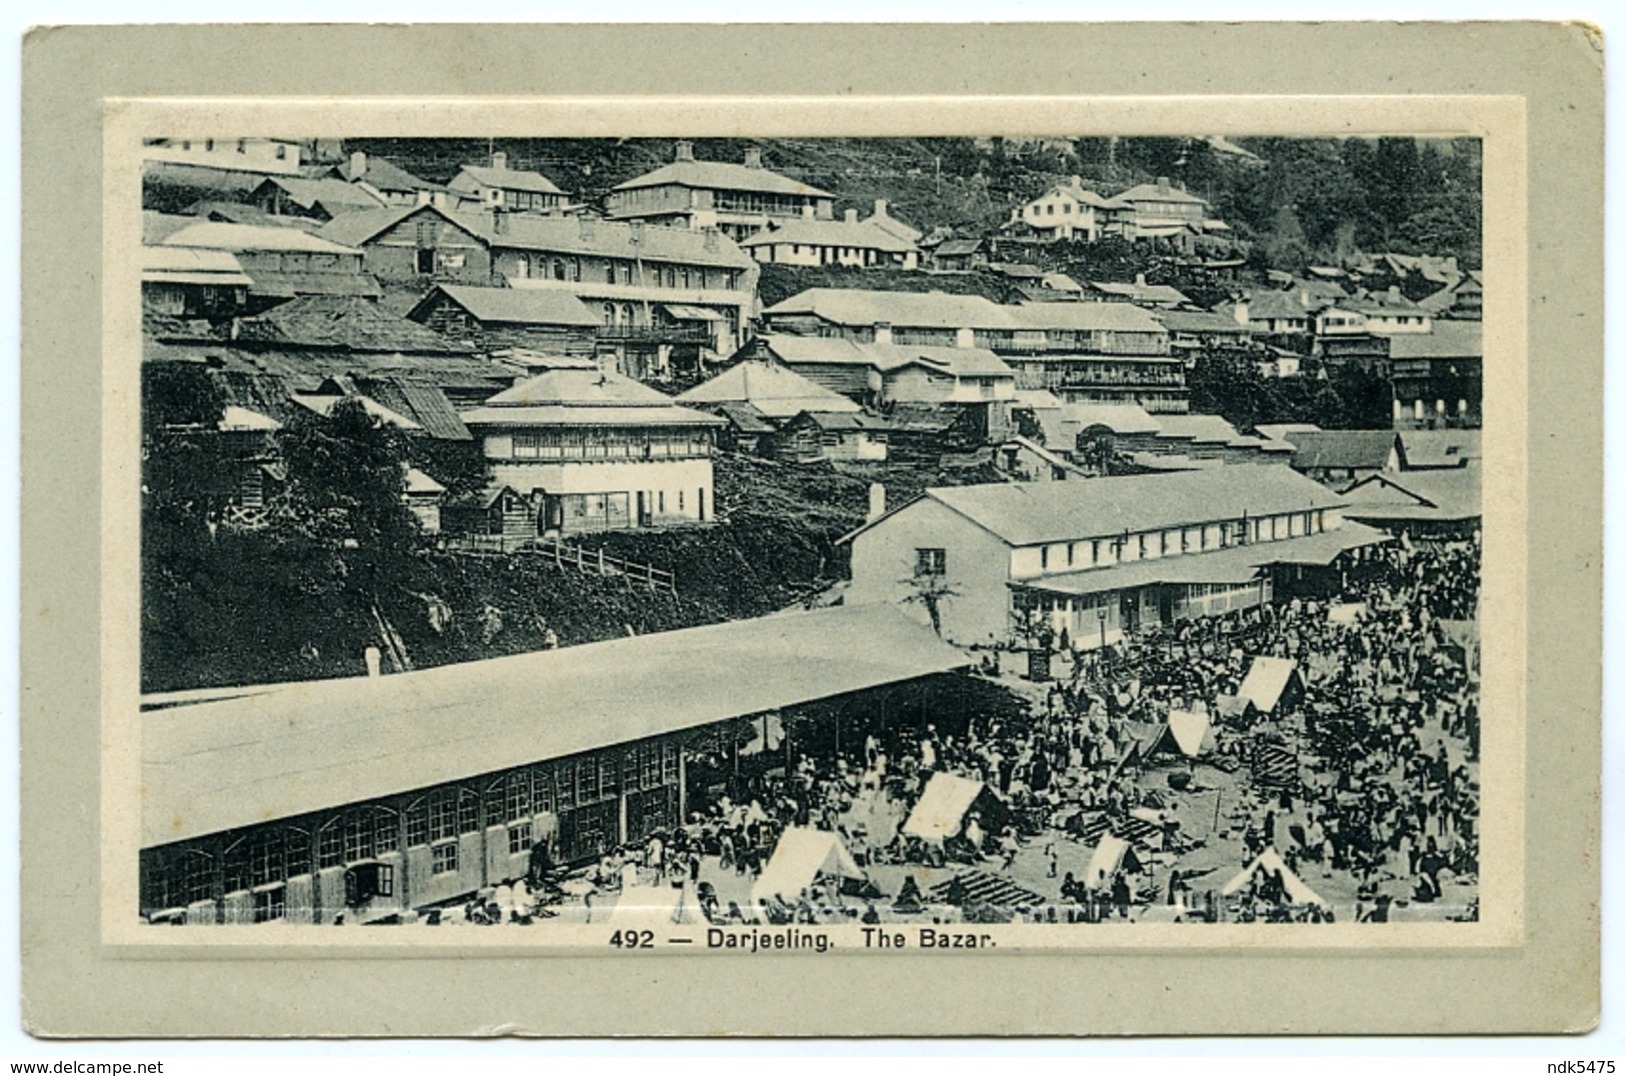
(1300, 201)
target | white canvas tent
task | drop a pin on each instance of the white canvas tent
(1111, 855)
(1268, 679)
(1345, 613)
(1191, 732)
(941, 811)
(799, 859)
(1297, 890)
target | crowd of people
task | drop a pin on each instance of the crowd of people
(1378, 794)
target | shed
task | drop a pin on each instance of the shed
(502, 513)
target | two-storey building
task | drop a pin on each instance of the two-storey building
(1096, 561)
(282, 263)
(737, 199)
(1071, 211)
(596, 451)
(515, 190)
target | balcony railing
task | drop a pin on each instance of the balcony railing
(655, 334)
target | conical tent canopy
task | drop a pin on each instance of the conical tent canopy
(1270, 861)
(1267, 681)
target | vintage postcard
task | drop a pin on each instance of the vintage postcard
(863, 536)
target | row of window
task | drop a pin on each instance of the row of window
(292, 262)
(270, 855)
(1198, 539)
(1419, 408)
(610, 444)
(612, 271)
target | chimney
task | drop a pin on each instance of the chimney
(877, 502)
(1241, 313)
(753, 157)
(1393, 293)
(1162, 185)
(499, 160)
(375, 662)
(422, 196)
(1075, 181)
(684, 150)
(358, 165)
(1303, 298)
(965, 337)
(882, 208)
(851, 216)
(807, 212)
(1139, 280)
(883, 332)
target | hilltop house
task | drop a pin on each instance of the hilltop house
(1071, 211)
(496, 186)
(1097, 561)
(737, 199)
(596, 451)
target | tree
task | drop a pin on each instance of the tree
(930, 589)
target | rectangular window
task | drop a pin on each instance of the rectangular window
(1071, 553)
(1043, 558)
(518, 805)
(443, 815)
(543, 791)
(271, 904)
(670, 762)
(330, 847)
(519, 839)
(417, 823)
(386, 831)
(930, 562)
(566, 774)
(445, 858)
(587, 781)
(468, 812)
(298, 844)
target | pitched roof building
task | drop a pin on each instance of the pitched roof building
(1103, 558)
(737, 199)
(515, 190)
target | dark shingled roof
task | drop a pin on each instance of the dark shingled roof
(347, 322)
(514, 306)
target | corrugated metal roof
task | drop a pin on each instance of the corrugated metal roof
(722, 176)
(1233, 566)
(223, 235)
(291, 285)
(1448, 340)
(1033, 513)
(1088, 317)
(343, 321)
(587, 415)
(306, 747)
(1440, 448)
(835, 351)
(515, 306)
(333, 193)
(910, 309)
(1443, 495)
(353, 229)
(1339, 449)
(1151, 192)
(830, 233)
(509, 179)
(422, 401)
(775, 390)
(1142, 293)
(570, 235)
(1198, 429)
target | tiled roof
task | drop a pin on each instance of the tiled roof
(1032, 513)
(516, 306)
(721, 176)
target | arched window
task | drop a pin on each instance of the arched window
(521, 266)
(558, 268)
(609, 315)
(626, 315)
(609, 272)
(1461, 407)
(1420, 411)
(1438, 407)
(575, 269)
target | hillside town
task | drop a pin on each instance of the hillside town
(760, 533)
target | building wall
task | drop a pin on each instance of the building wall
(884, 558)
(459, 257)
(266, 155)
(675, 491)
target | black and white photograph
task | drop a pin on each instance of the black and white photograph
(785, 543)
